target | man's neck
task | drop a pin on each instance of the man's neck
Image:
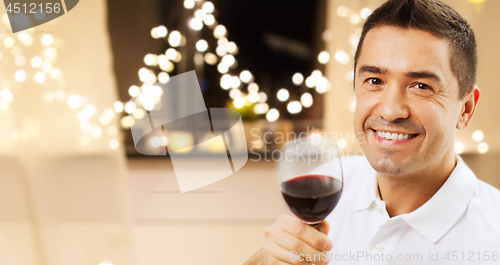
(405, 194)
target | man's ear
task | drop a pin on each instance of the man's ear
(469, 104)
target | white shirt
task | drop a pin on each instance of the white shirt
(460, 224)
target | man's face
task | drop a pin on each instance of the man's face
(405, 89)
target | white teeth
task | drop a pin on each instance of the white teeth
(393, 136)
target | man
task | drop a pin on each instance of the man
(411, 200)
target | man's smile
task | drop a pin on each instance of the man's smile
(393, 138)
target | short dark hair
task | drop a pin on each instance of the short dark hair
(438, 19)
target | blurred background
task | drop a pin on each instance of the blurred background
(73, 189)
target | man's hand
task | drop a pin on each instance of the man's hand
(289, 234)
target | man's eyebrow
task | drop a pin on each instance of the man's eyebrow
(423, 74)
(371, 69)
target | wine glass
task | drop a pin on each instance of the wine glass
(310, 177)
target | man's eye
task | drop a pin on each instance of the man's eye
(374, 81)
(422, 86)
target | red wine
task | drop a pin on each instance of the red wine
(312, 197)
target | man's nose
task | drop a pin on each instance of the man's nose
(394, 104)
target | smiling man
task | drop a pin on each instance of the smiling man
(411, 199)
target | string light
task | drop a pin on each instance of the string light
(482, 148)
(74, 102)
(189, 4)
(297, 79)
(161, 31)
(19, 60)
(253, 97)
(47, 39)
(459, 147)
(342, 11)
(226, 50)
(355, 19)
(307, 100)
(113, 144)
(209, 20)
(130, 107)
(324, 57)
(272, 115)
(234, 93)
(139, 114)
(245, 76)
(238, 102)
(365, 13)
(201, 45)
(174, 39)
(349, 75)
(118, 106)
(262, 97)
(134, 91)
(235, 82)
(208, 7)
(282, 94)
(225, 81)
(50, 53)
(150, 59)
(341, 57)
(40, 77)
(154, 33)
(294, 107)
(210, 58)
(20, 75)
(127, 122)
(96, 131)
(310, 82)
(253, 87)
(352, 106)
(171, 53)
(222, 41)
(322, 85)
(222, 68)
(46, 67)
(260, 108)
(228, 60)
(200, 14)
(478, 136)
(9, 42)
(220, 31)
(221, 50)
(231, 47)
(195, 24)
(163, 77)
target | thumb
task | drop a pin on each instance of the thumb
(323, 227)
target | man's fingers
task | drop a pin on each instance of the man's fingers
(323, 227)
(291, 243)
(305, 232)
(275, 253)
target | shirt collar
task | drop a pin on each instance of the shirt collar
(438, 215)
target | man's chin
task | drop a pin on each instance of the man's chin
(388, 165)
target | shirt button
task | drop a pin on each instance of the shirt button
(379, 247)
